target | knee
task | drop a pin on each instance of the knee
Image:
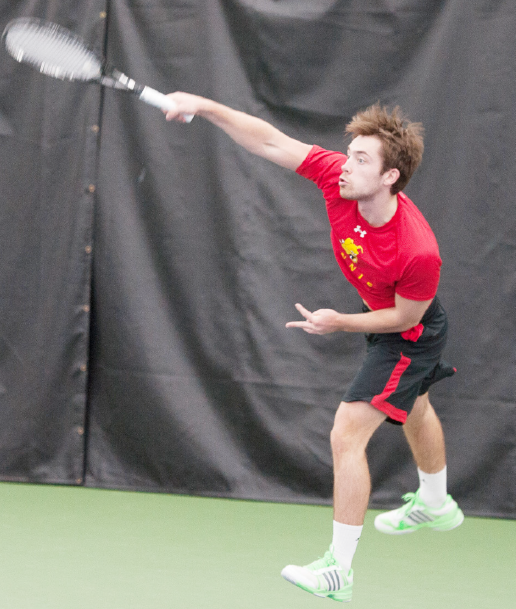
(340, 435)
(341, 443)
(354, 424)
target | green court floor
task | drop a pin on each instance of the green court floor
(77, 548)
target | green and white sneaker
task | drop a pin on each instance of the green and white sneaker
(323, 577)
(415, 515)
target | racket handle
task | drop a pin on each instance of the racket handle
(157, 99)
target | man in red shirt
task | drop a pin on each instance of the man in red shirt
(388, 252)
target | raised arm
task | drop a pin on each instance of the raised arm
(254, 134)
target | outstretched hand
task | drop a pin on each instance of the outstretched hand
(186, 104)
(322, 321)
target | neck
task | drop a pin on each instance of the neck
(378, 211)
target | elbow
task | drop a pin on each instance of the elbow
(408, 324)
(406, 321)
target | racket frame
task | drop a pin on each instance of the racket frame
(109, 76)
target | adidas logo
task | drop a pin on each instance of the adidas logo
(418, 517)
(333, 580)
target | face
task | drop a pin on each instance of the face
(362, 178)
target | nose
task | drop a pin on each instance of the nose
(345, 166)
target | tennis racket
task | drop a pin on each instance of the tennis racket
(58, 52)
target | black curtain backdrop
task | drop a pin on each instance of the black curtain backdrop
(47, 159)
(147, 269)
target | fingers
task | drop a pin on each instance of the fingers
(172, 111)
(296, 324)
(304, 312)
(304, 325)
(170, 115)
(183, 106)
(174, 116)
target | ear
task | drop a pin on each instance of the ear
(391, 176)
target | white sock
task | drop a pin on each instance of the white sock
(432, 488)
(345, 541)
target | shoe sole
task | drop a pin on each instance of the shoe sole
(343, 597)
(426, 525)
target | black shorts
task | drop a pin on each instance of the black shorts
(396, 371)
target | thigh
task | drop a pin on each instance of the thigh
(358, 415)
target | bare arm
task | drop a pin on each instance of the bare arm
(404, 315)
(254, 134)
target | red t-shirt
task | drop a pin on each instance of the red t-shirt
(400, 257)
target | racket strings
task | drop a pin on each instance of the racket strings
(53, 52)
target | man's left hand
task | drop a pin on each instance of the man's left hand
(322, 321)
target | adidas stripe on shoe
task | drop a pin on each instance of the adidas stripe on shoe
(324, 577)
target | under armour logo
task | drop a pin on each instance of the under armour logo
(363, 233)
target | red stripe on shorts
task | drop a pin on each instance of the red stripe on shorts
(380, 401)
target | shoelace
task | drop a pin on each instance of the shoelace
(410, 498)
(328, 560)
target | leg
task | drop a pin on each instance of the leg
(425, 436)
(355, 423)
(332, 576)
(426, 440)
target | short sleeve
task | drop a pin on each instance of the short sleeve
(420, 278)
(323, 167)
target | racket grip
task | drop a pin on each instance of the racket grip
(157, 99)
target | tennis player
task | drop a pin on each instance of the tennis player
(388, 252)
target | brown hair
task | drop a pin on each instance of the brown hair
(402, 141)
